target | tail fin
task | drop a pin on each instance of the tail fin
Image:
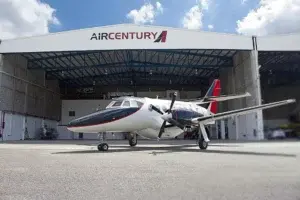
(213, 91)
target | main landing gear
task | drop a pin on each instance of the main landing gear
(103, 146)
(202, 143)
(132, 139)
(202, 137)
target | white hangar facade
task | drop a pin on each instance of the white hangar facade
(51, 79)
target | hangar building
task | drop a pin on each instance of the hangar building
(51, 79)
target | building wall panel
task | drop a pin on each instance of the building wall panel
(7, 81)
(20, 86)
(39, 106)
(34, 126)
(31, 105)
(52, 85)
(242, 78)
(19, 102)
(51, 123)
(6, 96)
(24, 91)
(14, 127)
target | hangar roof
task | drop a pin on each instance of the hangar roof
(126, 36)
(127, 53)
(132, 36)
(282, 42)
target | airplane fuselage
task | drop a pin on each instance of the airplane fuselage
(137, 117)
(159, 118)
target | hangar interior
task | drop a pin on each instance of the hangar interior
(51, 88)
(280, 79)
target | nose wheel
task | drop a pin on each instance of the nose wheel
(132, 139)
(103, 146)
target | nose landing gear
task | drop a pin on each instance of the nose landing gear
(132, 139)
(103, 146)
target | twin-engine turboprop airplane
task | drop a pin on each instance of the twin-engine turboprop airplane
(161, 118)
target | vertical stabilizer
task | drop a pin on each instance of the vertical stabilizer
(213, 91)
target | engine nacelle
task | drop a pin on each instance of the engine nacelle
(184, 116)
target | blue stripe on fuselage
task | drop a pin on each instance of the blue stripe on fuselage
(103, 116)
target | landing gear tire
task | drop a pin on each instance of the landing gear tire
(132, 139)
(103, 147)
(202, 144)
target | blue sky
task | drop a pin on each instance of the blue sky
(20, 18)
(75, 14)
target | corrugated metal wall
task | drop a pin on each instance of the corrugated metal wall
(14, 127)
(26, 98)
(26, 91)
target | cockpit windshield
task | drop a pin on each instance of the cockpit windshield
(116, 103)
(132, 103)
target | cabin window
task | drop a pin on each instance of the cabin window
(133, 104)
(126, 104)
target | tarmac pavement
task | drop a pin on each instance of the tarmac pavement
(166, 170)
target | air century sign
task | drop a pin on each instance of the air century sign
(155, 36)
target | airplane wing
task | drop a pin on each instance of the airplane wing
(210, 99)
(242, 111)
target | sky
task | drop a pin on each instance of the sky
(20, 18)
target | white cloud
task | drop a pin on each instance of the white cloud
(244, 2)
(193, 18)
(20, 18)
(204, 4)
(146, 14)
(210, 26)
(159, 7)
(272, 17)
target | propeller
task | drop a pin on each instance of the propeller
(166, 116)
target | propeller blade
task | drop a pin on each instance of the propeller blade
(173, 100)
(162, 129)
(156, 109)
(169, 120)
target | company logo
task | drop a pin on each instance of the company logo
(155, 36)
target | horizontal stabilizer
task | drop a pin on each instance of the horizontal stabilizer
(242, 111)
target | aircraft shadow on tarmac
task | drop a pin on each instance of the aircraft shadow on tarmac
(173, 149)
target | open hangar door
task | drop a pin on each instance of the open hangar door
(279, 60)
(280, 79)
(90, 79)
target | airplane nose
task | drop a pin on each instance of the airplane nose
(92, 119)
(101, 117)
